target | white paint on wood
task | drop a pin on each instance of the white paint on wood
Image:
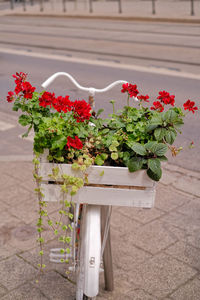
(111, 176)
(103, 196)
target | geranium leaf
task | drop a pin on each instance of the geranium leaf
(154, 164)
(138, 148)
(160, 149)
(154, 176)
(135, 163)
(159, 133)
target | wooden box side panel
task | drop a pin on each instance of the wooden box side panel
(104, 196)
(111, 175)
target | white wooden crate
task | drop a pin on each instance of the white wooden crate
(116, 187)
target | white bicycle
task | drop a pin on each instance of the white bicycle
(92, 213)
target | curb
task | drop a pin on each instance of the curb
(101, 17)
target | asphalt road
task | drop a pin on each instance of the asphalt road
(154, 56)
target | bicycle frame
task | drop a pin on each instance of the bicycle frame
(91, 249)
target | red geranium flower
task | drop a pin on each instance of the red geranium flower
(166, 98)
(130, 89)
(62, 104)
(27, 90)
(143, 98)
(46, 99)
(190, 106)
(74, 143)
(157, 106)
(10, 97)
(20, 77)
(82, 110)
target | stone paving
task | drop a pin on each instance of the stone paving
(155, 251)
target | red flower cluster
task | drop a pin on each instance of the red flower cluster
(22, 86)
(74, 143)
(190, 105)
(62, 104)
(143, 98)
(47, 99)
(157, 106)
(10, 97)
(81, 110)
(166, 98)
(130, 89)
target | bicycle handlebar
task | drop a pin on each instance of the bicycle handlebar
(91, 90)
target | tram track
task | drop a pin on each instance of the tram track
(99, 53)
(75, 37)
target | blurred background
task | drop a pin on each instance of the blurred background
(154, 44)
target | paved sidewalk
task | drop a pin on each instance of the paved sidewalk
(141, 10)
(156, 251)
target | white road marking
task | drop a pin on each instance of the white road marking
(152, 70)
(5, 126)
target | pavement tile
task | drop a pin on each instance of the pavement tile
(54, 286)
(8, 220)
(185, 253)
(191, 209)
(139, 294)
(7, 251)
(122, 223)
(27, 211)
(33, 257)
(161, 274)
(23, 237)
(15, 195)
(122, 284)
(168, 177)
(142, 215)
(188, 184)
(3, 291)
(194, 239)
(185, 222)
(189, 291)
(125, 255)
(25, 292)
(21, 171)
(14, 272)
(6, 182)
(168, 198)
(152, 237)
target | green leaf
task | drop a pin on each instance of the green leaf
(104, 156)
(130, 127)
(154, 165)
(160, 149)
(99, 112)
(154, 176)
(114, 155)
(163, 158)
(59, 142)
(24, 120)
(135, 164)
(98, 160)
(170, 136)
(156, 119)
(170, 116)
(159, 133)
(151, 145)
(27, 132)
(138, 148)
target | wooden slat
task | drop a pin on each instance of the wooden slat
(103, 196)
(111, 176)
